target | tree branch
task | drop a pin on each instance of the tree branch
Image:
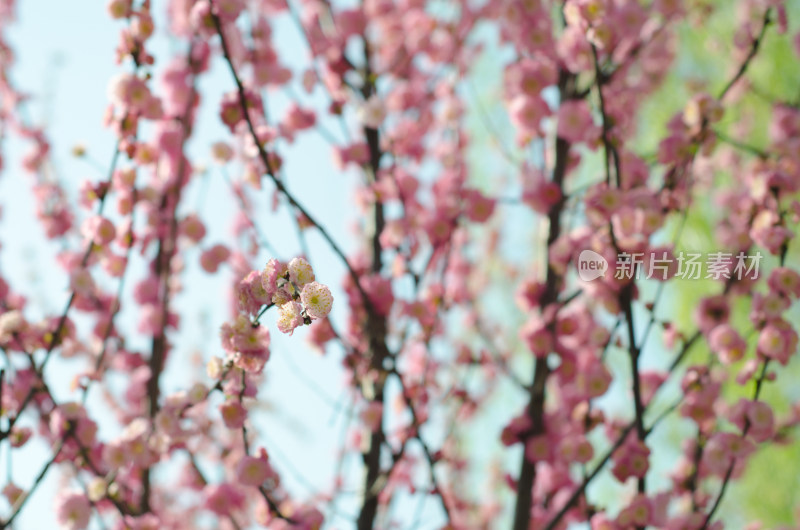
(527, 475)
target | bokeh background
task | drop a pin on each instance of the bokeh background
(65, 59)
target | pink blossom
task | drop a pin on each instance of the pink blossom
(252, 471)
(778, 340)
(526, 113)
(767, 232)
(478, 207)
(711, 312)
(528, 294)
(576, 449)
(221, 152)
(192, 228)
(531, 76)
(537, 337)
(223, 499)
(768, 307)
(573, 48)
(593, 377)
(148, 521)
(71, 417)
(81, 282)
(307, 518)
(290, 317)
(251, 293)
(727, 343)
(300, 272)
(231, 109)
(298, 119)
(233, 414)
(372, 112)
(539, 448)
(19, 436)
(785, 122)
(542, 196)
(272, 272)
(603, 201)
(12, 493)
(119, 8)
(701, 392)
(147, 290)
(761, 421)
(211, 258)
(228, 10)
(512, 432)
(246, 343)
(379, 290)
(320, 334)
(785, 281)
(99, 229)
(73, 510)
(631, 460)
(638, 513)
(650, 382)
(575, 123)
(317, 300)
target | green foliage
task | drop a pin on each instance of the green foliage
(770, 490)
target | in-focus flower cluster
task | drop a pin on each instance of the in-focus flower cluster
(294, 289)
(289, 287)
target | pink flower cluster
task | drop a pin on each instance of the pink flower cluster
(289, 287)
